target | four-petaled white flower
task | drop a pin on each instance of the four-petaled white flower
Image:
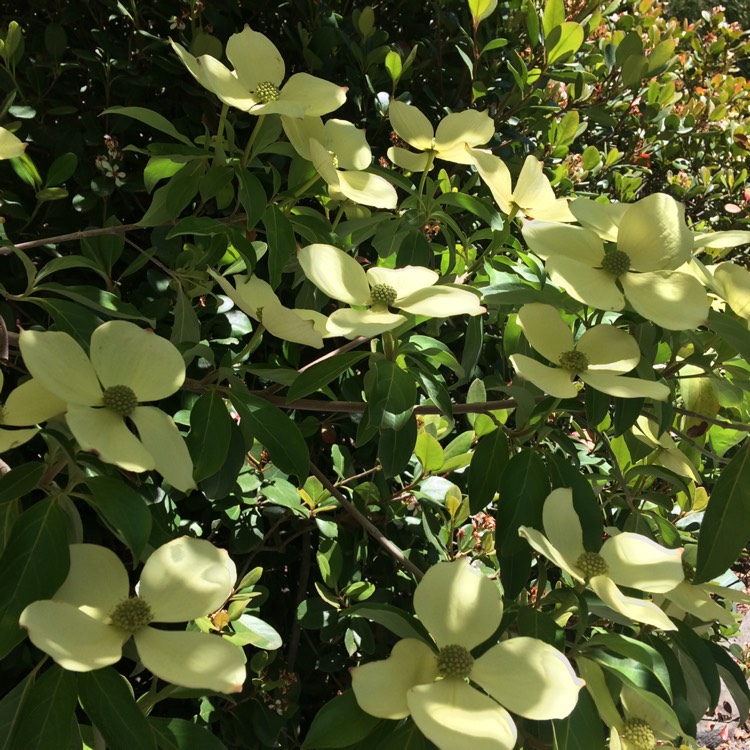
(339, 152)
(126, 367)
(599, 357)
(626, 559)
(412, 289)
(432, 682)
(88, 620)
(533, 195)
(448, 142)
(653, 241)
(254, 85)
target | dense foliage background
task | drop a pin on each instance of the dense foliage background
(628, 100)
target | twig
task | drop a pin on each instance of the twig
(366, 524)
(713, 420)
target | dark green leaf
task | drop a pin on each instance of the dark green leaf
(732, 330)
(322, 373)
(45, 720)
(695, 647)
(150, 118)
(392, 397)
(108, 701)
(582, 729)
(179, 734)
(726, 525)
(70, 318)
(20, 480)
(61, 169)
(251, 195)
(340, 723)
(281, 242)
(396, 447)
(487, 465)
(210, 433)
(393, 618)
(122, 508)
(34, 563)
(10, 710)
(273, 429)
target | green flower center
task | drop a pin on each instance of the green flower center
(383, 294)
(616, 263)
(574, 361)
(455, 661)
(131, 614)
(591, 564)
(639, 734)
(266, 92)
(120, 399)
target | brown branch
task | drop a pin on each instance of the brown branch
(366, 524)
(713, 420)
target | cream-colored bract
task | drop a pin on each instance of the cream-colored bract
(631, 560)
(27, 405)
(412, 289)
(653, 241)
(454, 132)
(533, 195)
(10, 146)
(340, 153)
(256, 298)
(605, 353)
(255, 84)
(460, 607)
(666, 452)
(182, 580)
(122, 354)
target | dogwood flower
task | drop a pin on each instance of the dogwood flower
(627, 559)
(126, 367)
(10, 146)
(254, 85)
(733, 284)
(533, 195)
(432, 682)
(666, 452)
(652, 241)
(339, 152)
(88, 620)
(256, 298)
(28, 404)
(598, 358)
(448, 142)
(412, 289)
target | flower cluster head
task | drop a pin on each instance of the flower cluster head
(533, 195)
(85, 625)
(625, 559)
(412, 289)
(448, 142)
(126, 367)
(599, 357)
(340, 153)
(652, 242)
(455, 699)
(255, 84)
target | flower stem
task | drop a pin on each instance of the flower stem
(219, 153)
(388, 346)
(427, 168)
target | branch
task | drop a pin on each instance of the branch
(366, 524)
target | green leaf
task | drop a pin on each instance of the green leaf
(70, 318)
(553, 16)
(209, 436)
(180, 734)
(273, 429)
(396, 447)
(582, 729)
(251, 195)
(35, 563)
(563, 41)
(483, 209)
(726, 525)
(150, 118)
(61, 169)
(734, 679)
(96, 299)
(187, 327)
(20, 480)
(566, 130)
(321, 374)
(731, 330)
(123, 509)
(429, 452)
(281, 242)
(487, 464)
(106, 249)
(10, 710)
(396, 620)
(695, 647)
(251, 630)
(392, 397)
(393, 65)
(170, 200)
(46, 716)
(107, 699)
(67, 262)
(340, 723)
(634, 70)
